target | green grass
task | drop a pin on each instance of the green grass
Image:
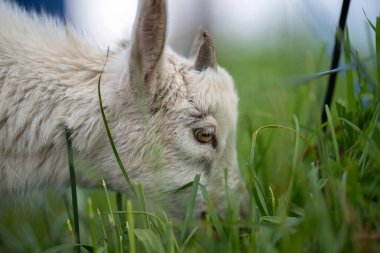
(311, 191)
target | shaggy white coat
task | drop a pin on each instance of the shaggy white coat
(153, 99)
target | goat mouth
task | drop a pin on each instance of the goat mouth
(205, 218)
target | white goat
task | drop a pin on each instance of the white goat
(171, 117)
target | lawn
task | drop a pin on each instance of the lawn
(312, 190)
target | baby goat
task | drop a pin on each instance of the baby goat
(171, 117)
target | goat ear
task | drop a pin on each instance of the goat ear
(204, 52)
(148, 40)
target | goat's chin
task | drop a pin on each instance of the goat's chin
(174, 205)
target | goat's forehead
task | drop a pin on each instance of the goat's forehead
(212, 91)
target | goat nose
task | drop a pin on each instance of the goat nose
(203, 215)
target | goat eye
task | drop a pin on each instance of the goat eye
(204, 135)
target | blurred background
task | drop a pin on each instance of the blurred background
(258, 22)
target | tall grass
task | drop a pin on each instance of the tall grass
(311, 190)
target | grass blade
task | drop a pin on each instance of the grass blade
(333, 134)
(111, 218)
(378, 49)
(369, 21)
(190, 206)
(142, 205)
(294, 164)
(149, 240)
(131, 227)
(92, 225)
(188, 238)
(213, 214)
(254, 183)
(73, 189)
(108, 131)
(106, 242)
(351, 103)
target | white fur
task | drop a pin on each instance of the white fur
(48, 81)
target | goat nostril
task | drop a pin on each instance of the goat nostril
(212, 230)
(203, 215)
